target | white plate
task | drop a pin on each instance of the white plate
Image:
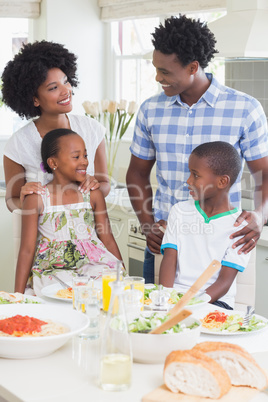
(29, 297)
(51, 290)
(205, 299)
(227, 333)
(34, 347)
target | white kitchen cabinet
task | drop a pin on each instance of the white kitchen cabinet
(7, 271)
(261, 305)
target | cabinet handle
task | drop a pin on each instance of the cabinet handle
(115, 219)
(135, 246)
(266, 258)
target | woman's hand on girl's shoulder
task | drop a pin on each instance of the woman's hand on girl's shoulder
(89, 183)
(32, 187)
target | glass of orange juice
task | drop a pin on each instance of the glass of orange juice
(108, 275)
(138, 282)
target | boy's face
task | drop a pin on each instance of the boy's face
(202, 182)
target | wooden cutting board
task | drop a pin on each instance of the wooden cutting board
(162, 394)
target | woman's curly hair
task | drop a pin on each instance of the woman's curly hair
(24, 74)
(189, 39)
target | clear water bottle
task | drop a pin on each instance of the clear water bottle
(116, 353)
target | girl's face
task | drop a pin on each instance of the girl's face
(54, 96)
(202, 182)
(71, 161)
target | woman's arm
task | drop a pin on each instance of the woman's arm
(168, 268)
(31, 210)
(102, 223)
(221, 286)
(16, 186)
(100, 180)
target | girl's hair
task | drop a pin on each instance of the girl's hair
(222, 158)
(24, 74)
(50, 145)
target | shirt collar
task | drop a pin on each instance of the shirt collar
(210, 96)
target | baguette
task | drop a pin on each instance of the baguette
(237, 362)
(192, 372)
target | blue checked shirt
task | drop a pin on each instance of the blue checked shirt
(167, 130)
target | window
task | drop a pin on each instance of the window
(13, 32)
(132, 47)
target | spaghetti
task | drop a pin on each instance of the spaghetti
(25, 326)
(214, 320)
(65, 293)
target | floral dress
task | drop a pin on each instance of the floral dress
(67, 244)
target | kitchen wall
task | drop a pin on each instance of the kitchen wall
(249, 76)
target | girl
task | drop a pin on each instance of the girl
(62, 220)
(38, 83)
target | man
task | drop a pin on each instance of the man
(192, 109)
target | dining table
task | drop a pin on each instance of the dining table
(71, 373)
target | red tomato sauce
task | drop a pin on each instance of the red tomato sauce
(20, 325)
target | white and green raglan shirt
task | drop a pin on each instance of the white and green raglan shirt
(199, 240)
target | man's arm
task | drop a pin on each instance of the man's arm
(141, 196)
(257, 218)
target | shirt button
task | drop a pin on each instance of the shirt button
(184, 184)
(187, 135)
(190, 111)
(186, 159)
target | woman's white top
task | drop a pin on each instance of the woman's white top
(24, 146)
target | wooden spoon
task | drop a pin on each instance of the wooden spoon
(173, 320)
(213, 267)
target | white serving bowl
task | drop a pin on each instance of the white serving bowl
(34, 347)
(154, 348)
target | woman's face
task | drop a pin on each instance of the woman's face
(54, 96)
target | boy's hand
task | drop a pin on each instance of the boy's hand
(251, 233)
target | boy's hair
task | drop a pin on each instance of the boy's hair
(189, 39)
(24, 74)
(50, 144)
(222, 158)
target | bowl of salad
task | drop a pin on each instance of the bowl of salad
(154, 348)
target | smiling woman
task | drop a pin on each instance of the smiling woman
(38, 83)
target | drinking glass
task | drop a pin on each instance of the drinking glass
(138, 282)
(108, 275)
(87, 301)
(79, 281)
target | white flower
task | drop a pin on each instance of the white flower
(122, 104)
(91, 108)
(97, 108)
(104, 105)
(112, 107)
(132, 107)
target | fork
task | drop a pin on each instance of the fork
(63, 284)
(247, 317)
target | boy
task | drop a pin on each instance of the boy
(198, 230)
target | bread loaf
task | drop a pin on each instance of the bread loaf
(194, 373)
(237, 362)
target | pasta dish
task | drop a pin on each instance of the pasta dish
(65, 293)
(25, 326)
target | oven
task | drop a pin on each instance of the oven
(136, 246)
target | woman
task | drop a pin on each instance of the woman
(38, 83)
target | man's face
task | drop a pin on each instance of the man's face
(174, 78)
